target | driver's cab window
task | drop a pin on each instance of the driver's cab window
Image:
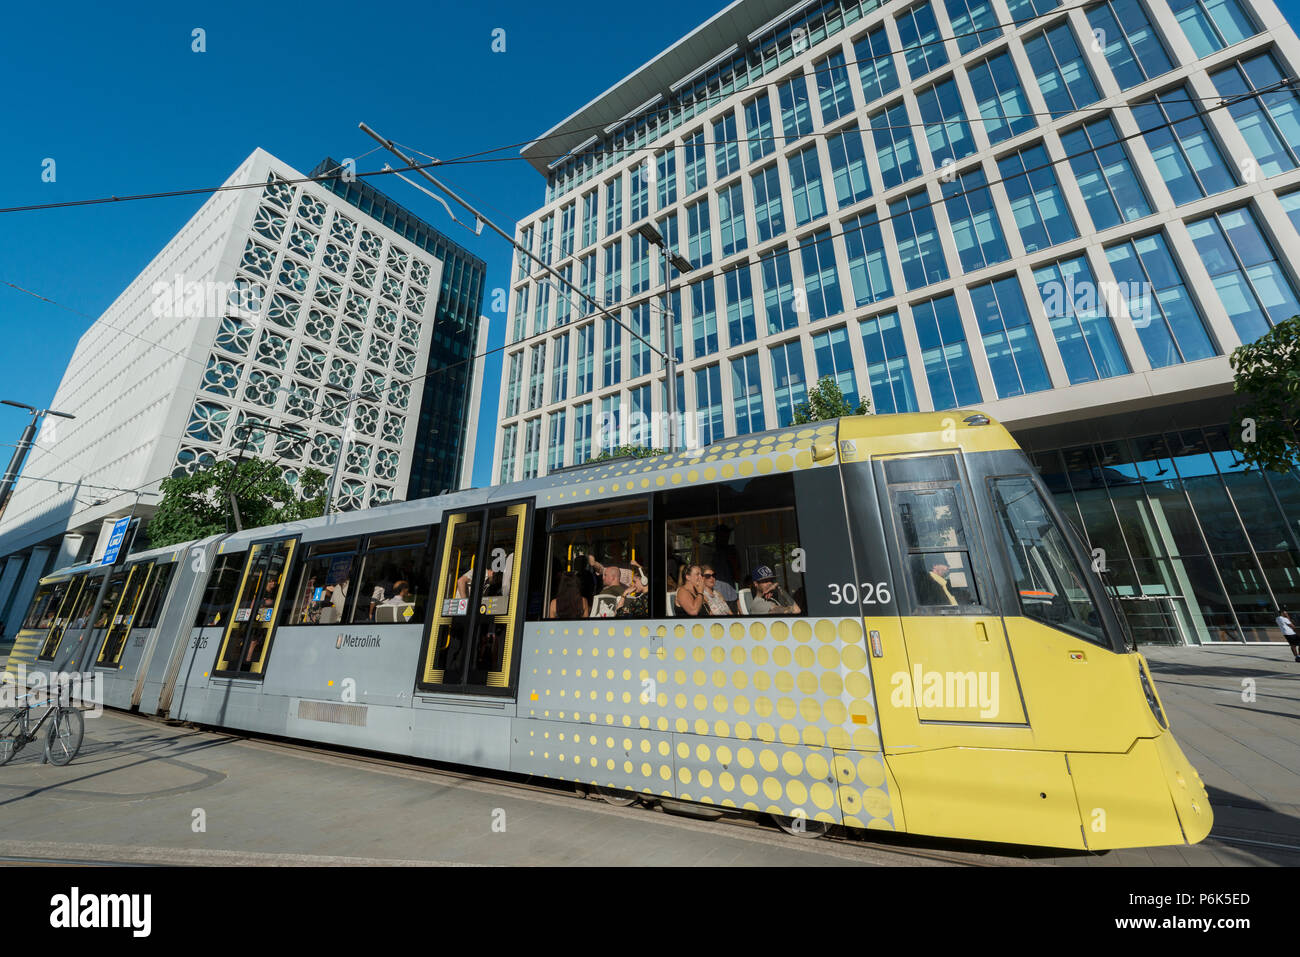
(926, 499)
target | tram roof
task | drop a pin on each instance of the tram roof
(626, 476)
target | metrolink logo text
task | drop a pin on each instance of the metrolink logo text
(946, 689)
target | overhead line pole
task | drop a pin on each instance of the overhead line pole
(668, 357)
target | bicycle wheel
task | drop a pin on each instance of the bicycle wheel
(11, 733)
(64, 738)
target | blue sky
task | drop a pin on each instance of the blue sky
(119, 101)
(117, 98)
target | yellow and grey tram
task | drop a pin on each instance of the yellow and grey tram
(904, 635)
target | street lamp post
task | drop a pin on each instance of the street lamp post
(24, 444)
(671, 259)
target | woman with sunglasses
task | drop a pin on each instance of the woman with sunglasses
(717, 605)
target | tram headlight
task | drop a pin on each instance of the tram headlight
(1152, 702)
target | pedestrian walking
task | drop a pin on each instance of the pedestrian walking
(1289, 632)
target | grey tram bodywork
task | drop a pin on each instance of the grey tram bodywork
(359, 685)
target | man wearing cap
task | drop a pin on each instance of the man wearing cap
(769, 597)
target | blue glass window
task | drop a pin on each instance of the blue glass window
(514, 384)
(587, 283)
(1036, 200)
(806, 186)
(945, 353)
(1133, 47)
(564, 295)
(726, 147)
(586, 359)
(796, 115)
(666, 175)
(887, 369)
(1076, 310)
(895, 151)
(582, 433)
(1015, 358)
(835, 359)
(613, 274)
(974, 221)
(768, 215)
(1162, 310)
(1211, 25)
(704, 317)
(700, 236)
(1291, 203)
(1252, 284)
(741, 327)
(946, 129)
(868, 268)
(788, 380)
(1023, 10)
(731, 219)
(1000, 98)
(1111, 187)
(640, 323)
(541, 308)
(917, 238)
(555, 440)
(974, 23)
(614, 206)
(758, 128)
(612, 359)
(509, 449)
(923, 49)
(778, 293)
(1269, 122)
(1190, 161)
(639, 271)
(560, 369)
(1061, 70)
(568, 217)
(708, 403)
(695, 163)
(849, 166)
(875, 65)
(590, 220)
(747, 394)
(820, 279)
(834, 93)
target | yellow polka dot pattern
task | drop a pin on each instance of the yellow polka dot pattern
(770, 452)
(792, 694)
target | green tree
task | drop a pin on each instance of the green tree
(826, 401)
(623, 451)
(1266, 375)
(197, 505)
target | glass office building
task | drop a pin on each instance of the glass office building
(1067, 214)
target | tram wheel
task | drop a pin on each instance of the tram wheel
(616, 797)
(801, 826)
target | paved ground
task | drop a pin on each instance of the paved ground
(145, 792)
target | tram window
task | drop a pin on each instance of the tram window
(322, 583)
(111, 597)
(220, 593)
(744, 538)
(395, 576)
(1049, 582)
(81, 614)
(153, 601)
(39, 614)
(598, 561)
(935, 547)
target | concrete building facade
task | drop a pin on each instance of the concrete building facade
(283, 320)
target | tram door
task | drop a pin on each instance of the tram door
(248, 634)
(119, 626)
(960, 666)
(475, 627)
(62, 607)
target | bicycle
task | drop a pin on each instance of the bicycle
(62, 741)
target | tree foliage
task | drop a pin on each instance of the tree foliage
(1266, 375)
(198, 505)
(634, 451)
(826, 401)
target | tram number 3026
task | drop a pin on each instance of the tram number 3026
(868, 593)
